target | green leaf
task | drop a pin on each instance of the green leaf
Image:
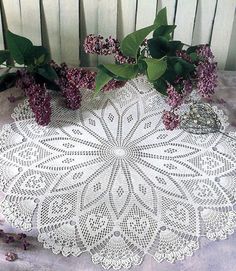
(31, 68)
(160, 86)
(126, 71)
(155, 68)
(47, 72)
(161, 18)
(130, 44)
(18, 46)
(169, 75)
(102, 78)
(41, 59)
(4, 55)
(192, 49)
(37, 55)
(187, 67)
(194, 56)
(178, 68)
(158, 47)
(173, 46)
(164, 31)
(101, 67)
(142, 66)
(41, 55)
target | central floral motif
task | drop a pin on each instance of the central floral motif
(119, 152)
(118, 156)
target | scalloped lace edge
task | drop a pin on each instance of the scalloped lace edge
(127, 263)
(22, 111)
(18, 222)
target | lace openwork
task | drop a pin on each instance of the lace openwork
(110, 180)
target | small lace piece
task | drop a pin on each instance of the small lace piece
(201, 119)
(108, 179)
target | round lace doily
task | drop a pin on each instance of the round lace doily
(110, 180)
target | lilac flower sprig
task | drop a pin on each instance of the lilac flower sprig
(204, 79)
(206, 72)
(174, 98)
(38, 96)
(11, 98)
(70, 92)
(10, 238)
(173, 70)
(40, 103)
(11, 256)
(170, 120)
(20, 238)
(96, 44)
(72, 80)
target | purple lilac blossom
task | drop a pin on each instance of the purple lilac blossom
(206, 72)
(81, 78)
(73, 97)
(113, 84)
(174, 98)
(10, 238)
(187, 87)
(11, 98)
(38, 97)
(72, 80)
(170, 120)
(122, 59)
(10, 256)
(24, 79)
(39, 101)
(206, 75)
(95, 44)
(204, 51)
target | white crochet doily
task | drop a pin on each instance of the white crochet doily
(110, 180)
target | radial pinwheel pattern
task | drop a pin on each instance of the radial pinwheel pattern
(110, 180)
